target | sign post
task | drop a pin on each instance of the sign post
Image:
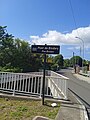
(45, 49)
(43, 88)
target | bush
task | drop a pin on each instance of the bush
(15, 70)
(54, 67)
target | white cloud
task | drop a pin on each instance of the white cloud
(34, 37)
(55, 37)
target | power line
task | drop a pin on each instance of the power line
(73, 16)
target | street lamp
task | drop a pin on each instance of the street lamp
(83, 50)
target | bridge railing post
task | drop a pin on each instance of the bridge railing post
(14, 85)
(41, 87)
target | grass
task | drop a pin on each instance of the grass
(11, 109)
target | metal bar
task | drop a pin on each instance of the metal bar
(20, 82)
(35, 85)
(38, 85)
(17, 82)
(11, 82)
(1, 79)
(40, 82)
(43, 88)
(14, 86)
(4, 81)
(28, 84)
(7, 81)
(31, 84)
(23, 83)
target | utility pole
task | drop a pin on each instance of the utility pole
(73, 61)
(82, 50)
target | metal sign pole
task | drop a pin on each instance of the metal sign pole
(45, 49)
(43, 88)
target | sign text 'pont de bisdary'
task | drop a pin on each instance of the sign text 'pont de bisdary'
(47, 49)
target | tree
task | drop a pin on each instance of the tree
(67, 63)
(16, 54)
(2, 33)
(6, 46)
(24, 59)
(77, 60)
(59, 61)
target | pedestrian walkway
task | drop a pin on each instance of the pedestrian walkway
(71, 111)
(81, 77)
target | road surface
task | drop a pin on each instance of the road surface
(79, 87)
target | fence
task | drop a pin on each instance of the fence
(31, 84)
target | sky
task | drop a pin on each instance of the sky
(52, 22)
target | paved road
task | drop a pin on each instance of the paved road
(80, 87)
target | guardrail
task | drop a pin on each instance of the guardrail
(31, 84)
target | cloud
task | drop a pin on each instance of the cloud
(58, 38)
(34, 37)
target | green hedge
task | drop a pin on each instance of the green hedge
(15, 70)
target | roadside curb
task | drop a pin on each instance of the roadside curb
(72, 111)
(83, 111)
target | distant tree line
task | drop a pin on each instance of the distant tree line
(74, 61)
(16, 56)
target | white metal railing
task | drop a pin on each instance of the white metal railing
(60, 82)
(31, 84)
(36, 73)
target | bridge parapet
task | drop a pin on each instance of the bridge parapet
(31, 84)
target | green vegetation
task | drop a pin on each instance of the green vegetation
(16, 56)
(26, 109)
(76, 60)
